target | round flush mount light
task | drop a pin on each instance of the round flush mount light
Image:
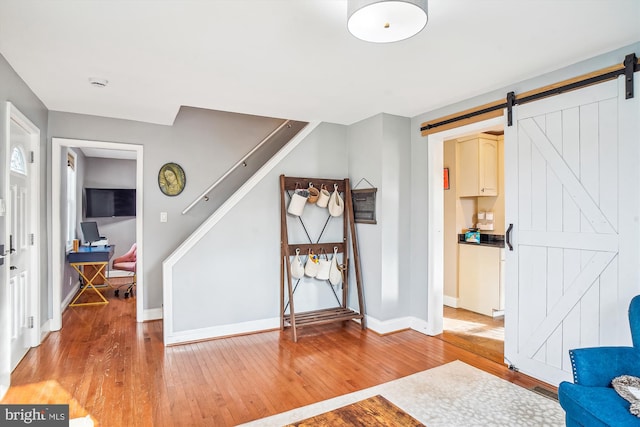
(98, 82)
(385, 21)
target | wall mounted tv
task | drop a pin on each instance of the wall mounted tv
(109, 202)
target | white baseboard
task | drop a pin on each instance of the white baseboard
(222, 331)
(45, 330)
(388, 326)
(152, 314)
(381, 327)
(422, 326)
(67, 300)
(399, 324)
(450, 301)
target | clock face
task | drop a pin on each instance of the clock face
(171, 179)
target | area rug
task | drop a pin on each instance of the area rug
(454, 394)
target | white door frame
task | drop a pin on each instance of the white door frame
(58, 255)
(435, 227)
(33, 286)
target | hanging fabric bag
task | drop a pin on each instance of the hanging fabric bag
(335, 275)
(298, 201)
(323, 199)
(311, 266)
(336, 204)
(324, 266)
(297, 269)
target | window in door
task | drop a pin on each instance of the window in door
(18, 164)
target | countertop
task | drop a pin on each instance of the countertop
(486, 239)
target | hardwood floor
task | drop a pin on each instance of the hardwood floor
(482, 335)
(120, 372)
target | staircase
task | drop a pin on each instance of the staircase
(235, 186)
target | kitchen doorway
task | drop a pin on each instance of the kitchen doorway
(463, 325)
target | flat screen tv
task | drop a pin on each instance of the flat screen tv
(109, 202)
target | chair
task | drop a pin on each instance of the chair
(591, 400)
(127, 262)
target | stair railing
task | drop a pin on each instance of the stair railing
(204, 194)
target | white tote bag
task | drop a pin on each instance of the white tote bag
(324, 266)
(298, 202)
(323, 198)
(297, 269)
(335, 275)
(336, 204)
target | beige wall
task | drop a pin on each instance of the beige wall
(450, 224)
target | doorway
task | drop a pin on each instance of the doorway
(60, 145)
(474, 202)
(478, 330)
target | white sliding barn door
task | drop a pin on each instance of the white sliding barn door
(572, 187)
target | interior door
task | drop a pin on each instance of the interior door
(571, 177)
(20, 244)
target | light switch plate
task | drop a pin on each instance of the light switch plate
(163, 217)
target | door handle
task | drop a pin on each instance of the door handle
(13, 267)
(508, 237)
(11, 248)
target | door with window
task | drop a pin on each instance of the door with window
(572, 176)
(22, 257)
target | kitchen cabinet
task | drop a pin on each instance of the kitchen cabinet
(481, 278)
(477, 166)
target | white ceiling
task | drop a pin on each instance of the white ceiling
(292, 59)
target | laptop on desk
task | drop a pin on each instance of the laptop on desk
(92, 235)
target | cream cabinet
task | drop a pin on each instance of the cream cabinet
(480, 279)
(477, 166)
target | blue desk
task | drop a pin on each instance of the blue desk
(97, 257)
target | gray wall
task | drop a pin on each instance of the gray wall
(13, 89)
(205, 143)
(232, 275)
(379, 152)
(365, 161)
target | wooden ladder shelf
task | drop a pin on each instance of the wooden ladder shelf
(289, 318)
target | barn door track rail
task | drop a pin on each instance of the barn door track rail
(494, 109)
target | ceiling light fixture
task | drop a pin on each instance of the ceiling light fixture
(385, 21)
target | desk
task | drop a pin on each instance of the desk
(97, 257)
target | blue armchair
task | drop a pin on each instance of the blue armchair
(591, 400)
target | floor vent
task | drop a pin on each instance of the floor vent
(545, 392)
